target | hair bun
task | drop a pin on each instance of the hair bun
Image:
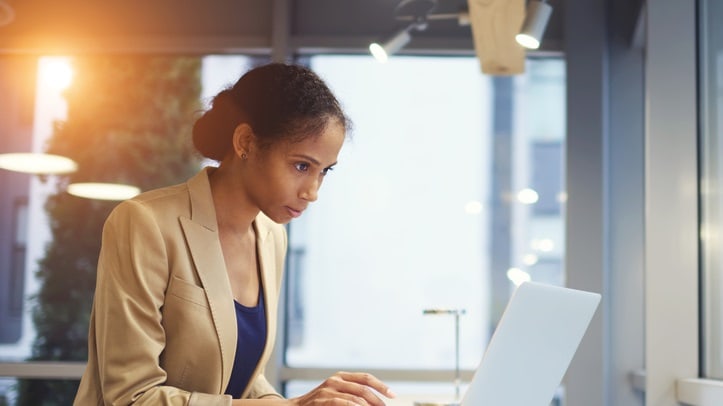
(213, 131)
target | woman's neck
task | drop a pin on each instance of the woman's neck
(234, 210)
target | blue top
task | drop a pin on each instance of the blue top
(251, 322)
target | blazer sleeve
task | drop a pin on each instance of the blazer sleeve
(133, 274)
(261, 388)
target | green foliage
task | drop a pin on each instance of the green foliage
(129, 121)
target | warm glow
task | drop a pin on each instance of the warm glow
(527, 196)
(543, 245)
(518, 276)
(530, 259)
(103, 191)
(709, 234)
(36, 163)
(562, 197)
(473, 207)
(56, 73)
(7, 13)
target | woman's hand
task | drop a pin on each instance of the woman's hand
(346, 389)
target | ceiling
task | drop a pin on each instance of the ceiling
(230, 26)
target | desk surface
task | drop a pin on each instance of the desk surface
(420, 400)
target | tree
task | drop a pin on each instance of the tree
(129, 120)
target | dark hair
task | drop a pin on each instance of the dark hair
(279, 101)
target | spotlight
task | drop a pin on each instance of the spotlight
(392, 45)
(416, 11)
(533, 27)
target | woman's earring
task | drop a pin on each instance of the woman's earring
(243, 156)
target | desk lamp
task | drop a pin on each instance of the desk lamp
(456, 313)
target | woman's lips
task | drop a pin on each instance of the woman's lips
(294, 213)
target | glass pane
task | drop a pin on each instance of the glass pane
(45, 392)
(39, 324)
(31, 218)
(711, 150)
(432, 205)
(31, 391)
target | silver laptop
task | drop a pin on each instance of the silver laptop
(532, 346)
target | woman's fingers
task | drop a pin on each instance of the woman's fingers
(368, 381)
(348, 388)
(360, 385)
(326, 395)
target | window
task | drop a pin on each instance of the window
(13, 275)
(434, 204)
(25, 240)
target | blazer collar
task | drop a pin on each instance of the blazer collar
(203, 211)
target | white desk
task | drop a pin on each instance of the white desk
(409, 400)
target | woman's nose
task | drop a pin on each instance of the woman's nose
(311, 190)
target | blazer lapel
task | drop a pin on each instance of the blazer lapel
(201, 232)
(267, 264)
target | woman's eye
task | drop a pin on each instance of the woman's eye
(326, 170)
(301, 166)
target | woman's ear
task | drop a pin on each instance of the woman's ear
(243, 139)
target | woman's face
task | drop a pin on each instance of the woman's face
(286, 177)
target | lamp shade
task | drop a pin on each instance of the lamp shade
(103, 191)
(37, 163)
(533, 27)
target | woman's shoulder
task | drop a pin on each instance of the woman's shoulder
(153, 207)
(178, 191)
(162, 202)
(161, 195)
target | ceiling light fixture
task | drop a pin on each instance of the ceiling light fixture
(416, 13)
(533, 27)
(103, 191)
(382, 50)
(37, 163)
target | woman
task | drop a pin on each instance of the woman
(189, 275)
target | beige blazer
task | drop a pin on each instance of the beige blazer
(163, 325)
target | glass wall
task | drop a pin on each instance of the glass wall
(42, 278)
(448, 193)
